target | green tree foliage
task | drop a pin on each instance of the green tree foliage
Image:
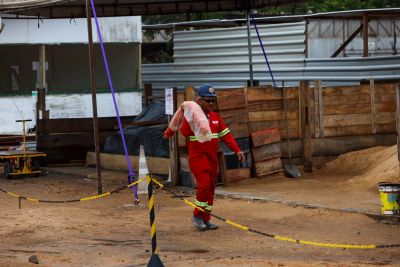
(340, 5)
(320, 6)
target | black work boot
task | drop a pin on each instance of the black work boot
(199, 223)
(210, 226)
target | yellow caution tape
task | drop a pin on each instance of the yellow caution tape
(94, 197)
(73, 200)
(288, 239)
(239, 226)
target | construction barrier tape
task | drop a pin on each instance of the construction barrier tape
(234, 224)
(74, 200)
(282, 238)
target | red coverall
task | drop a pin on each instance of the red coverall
(203, 161)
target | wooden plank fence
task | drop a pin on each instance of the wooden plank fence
(322, 118)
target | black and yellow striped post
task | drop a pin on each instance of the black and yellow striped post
(155, 261)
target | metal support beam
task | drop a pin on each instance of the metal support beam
(365, 35)
(351, 37)
(394, 37)
(249, 47)
(94, 100)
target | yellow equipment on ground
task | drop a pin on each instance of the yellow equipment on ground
(18, 162)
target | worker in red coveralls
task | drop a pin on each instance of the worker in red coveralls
(203, 157)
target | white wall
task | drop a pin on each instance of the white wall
(65, 106)
(58, 31)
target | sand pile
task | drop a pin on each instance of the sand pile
(366, 168)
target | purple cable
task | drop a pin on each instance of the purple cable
(113, 96)
(262, 47)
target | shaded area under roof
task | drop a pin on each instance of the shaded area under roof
(76, 8)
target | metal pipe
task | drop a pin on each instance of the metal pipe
(94, 100)
(365, 35)
(249, 47)
(394, 38)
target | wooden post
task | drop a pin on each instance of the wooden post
(316, 110)
(41, 112)
(173, 148)
(42, 67)
(41, 104)
(222, 166)
(373, 106)
(148, 93)
(365, 35)
(189, 93)
(320, 109)
(300, 114)
(306, 125)
(92, 69)
(398, 120)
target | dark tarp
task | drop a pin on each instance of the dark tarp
(149, 136)
(154, 112)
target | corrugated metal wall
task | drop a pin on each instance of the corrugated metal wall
(220, 57)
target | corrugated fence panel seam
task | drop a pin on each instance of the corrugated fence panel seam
(237, 36)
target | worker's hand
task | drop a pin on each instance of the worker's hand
(241, 156)
(167, 133)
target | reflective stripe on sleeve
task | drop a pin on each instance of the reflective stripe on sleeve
(194, 138)
(223, 133)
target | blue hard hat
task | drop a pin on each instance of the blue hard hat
(206, 90)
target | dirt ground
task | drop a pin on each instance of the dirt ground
(112, 232)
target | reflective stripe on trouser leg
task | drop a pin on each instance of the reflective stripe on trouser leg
(202, 192)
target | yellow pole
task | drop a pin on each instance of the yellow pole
(24, 138)
(25, 168)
